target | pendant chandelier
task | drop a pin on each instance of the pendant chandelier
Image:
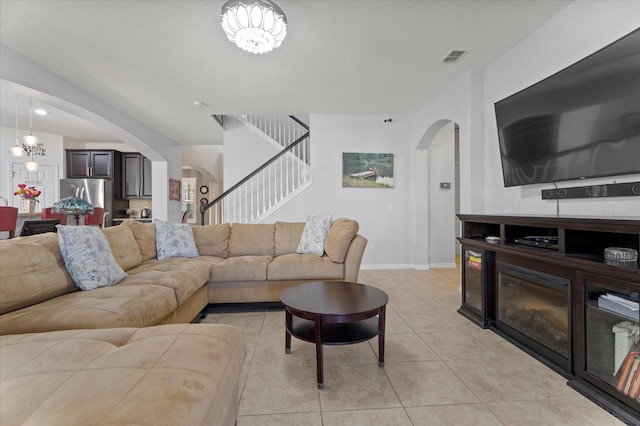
(257, 26)
(29, 139)
(29, 142)
(17, 150)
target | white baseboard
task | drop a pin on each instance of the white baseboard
(387, 266)
(407, 266)
(443, 265)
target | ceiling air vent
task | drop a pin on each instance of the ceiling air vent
(453, 56)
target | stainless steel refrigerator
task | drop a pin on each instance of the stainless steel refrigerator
(98, 192)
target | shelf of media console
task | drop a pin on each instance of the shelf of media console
(588, 260)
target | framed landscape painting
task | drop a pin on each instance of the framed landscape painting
(367, 170)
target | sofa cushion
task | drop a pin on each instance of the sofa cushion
(115, 306)
(32, 271)
(339, 237)
(252, 239)
(304, 266)
(288, 237)
(212, 240)
(174, 240)
(88, 257)
(124, 247)
(243, 268)
(183, 276)
(145, 235)
(314, 233)
(184, 374)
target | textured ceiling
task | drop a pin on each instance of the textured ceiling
(153, 59)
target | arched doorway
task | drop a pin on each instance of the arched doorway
(439, 187)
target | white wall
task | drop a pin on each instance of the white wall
(577, 31)
(207, 159)
(118, 146)
(244, 150)
(558, 43)
(442, 202)
(385, 215)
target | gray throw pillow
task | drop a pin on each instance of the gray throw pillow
(88, 257)
(174, 240)
(314, 233)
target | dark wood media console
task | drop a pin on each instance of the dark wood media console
(550, 301)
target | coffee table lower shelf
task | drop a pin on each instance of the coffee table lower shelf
(335, 333)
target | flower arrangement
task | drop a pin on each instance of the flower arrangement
(27, 193)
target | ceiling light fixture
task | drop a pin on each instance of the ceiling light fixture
(30, 139)
(257, 26)
(31, 165)
(41, 111)
(16, 150)
(30, 143)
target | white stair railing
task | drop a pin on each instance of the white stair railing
(274, 182)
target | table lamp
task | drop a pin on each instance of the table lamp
(74, 205)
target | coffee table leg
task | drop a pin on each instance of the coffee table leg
(381, 325)
(319, 367)
(287, 336)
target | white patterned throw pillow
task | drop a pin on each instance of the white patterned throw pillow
(88, 257)
(314, 233)
(174, 240)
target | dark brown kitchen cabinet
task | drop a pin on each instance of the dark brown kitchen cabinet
(99, 164)
(136, 176)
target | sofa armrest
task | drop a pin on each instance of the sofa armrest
(354, 257)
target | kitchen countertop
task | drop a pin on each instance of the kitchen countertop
(139, 219)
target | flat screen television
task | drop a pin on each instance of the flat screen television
(581, 122)
(38, 226)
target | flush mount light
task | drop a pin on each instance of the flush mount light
(257, 26)
(41, 111)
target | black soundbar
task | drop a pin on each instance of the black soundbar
(593, 191)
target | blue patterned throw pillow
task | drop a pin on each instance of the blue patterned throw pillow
(88, 258)
(174, 240)
(314, 233)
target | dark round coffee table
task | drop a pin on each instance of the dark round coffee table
(334, 313)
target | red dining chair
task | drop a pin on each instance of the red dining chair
(97, 218)
(8, 220)
(46, 214)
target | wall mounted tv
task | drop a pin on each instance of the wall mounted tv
(581, 122)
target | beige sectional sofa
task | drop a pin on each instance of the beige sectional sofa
(180, 374)
(61, 346)
(236, 264)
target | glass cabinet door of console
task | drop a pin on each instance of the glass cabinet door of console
(613, 336)
(473, 279)
(535, 305)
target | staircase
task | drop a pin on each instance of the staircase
(272, 184)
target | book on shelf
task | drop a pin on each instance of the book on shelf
(634, 391)
(629, 379)
(619, 305)
(474, 259)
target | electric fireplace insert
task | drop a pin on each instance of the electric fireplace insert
(533, 308)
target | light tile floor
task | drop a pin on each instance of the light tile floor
(440, 369)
